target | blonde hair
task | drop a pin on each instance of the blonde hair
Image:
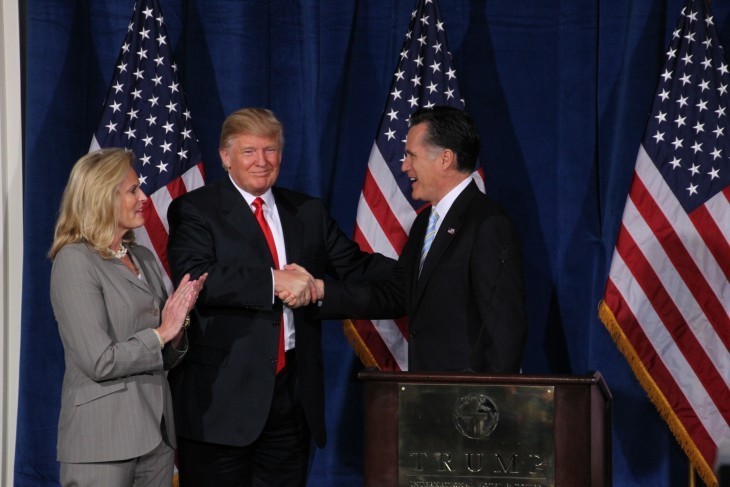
(251, 121)
(90, 205)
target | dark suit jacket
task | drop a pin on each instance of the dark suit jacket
(466, 310)
(223, 390)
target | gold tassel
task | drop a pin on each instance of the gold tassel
(358, 345)
(657, 398)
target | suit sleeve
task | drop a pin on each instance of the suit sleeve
(171, 356)
(362, 285)
(376, 299)
(195, 247)
(496, 275)
(345, 259)
(78, 304)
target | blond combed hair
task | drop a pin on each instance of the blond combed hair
(251, 121)
(89, 210)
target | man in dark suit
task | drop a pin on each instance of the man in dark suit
(244, 408)
(459, 277)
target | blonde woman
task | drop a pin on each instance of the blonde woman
(120, 331)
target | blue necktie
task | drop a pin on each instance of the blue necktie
(430, 234)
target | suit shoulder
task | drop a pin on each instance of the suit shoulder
(299, 203)
(488, 206)
(202, 198)
(294, 197)
(74, 258)
(488, 215)
(142, 252)
(74, 251)
(201, 193)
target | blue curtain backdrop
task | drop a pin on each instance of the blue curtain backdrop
(560, 91)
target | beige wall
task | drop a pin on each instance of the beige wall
(11, 231)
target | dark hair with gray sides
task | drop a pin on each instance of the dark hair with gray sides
(451, 128)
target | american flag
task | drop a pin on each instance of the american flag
(667, 299)
(145, 112)
(424, 77)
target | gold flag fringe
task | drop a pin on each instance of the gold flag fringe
(358, 345)
(657, 398)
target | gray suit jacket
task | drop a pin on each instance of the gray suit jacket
(115, 390)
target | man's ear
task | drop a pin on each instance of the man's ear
(223, 153)
(448, 160)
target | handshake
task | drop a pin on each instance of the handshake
(296, 287)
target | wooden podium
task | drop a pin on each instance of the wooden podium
(579, 436)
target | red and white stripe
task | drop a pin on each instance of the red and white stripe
(669, 291)
(155, 231)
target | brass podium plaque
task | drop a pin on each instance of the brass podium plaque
(475, 436)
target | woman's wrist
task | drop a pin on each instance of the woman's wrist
(159, 337)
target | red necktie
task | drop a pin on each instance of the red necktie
(259, 213)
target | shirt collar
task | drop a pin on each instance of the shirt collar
(268, 196)
(443, 206)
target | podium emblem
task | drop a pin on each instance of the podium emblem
(475, 416)
(476, 435)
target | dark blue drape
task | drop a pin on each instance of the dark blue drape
(560, 91)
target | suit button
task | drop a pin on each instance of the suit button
(155, 312)
(275, 324)
(413, 334)
(272, 359)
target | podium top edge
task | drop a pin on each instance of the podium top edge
(589, 379)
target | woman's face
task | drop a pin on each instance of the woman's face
(131, 201)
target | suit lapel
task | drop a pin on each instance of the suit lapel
(415, 243)
(240, 217)
(126, 274)
(291, 226)
(448, 231)
(151, 277)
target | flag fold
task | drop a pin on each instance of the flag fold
(424, 77)
(667, 297)
(145, 111)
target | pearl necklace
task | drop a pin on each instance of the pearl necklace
(119, 253)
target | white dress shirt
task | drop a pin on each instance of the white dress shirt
(272, 218)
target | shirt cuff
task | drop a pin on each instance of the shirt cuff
(273, 292)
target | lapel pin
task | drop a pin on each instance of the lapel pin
(450, 231)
